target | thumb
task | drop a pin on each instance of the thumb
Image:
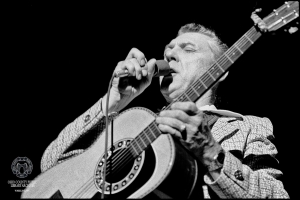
(151, 67)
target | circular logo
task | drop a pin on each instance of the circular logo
(21, 167)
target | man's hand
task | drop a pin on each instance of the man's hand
(125, 89)
(190, 125)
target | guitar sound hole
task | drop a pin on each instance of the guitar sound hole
(119, 165)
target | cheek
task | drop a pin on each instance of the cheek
(193, 70)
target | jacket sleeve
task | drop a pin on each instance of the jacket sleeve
(256, 174)
(56, 151)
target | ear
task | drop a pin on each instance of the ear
(223, 77)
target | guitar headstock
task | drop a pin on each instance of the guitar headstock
(280, 17)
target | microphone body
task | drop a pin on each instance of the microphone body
(161, 68)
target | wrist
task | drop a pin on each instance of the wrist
(111, 108)
(214, 157)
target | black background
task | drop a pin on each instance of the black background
(60, 55)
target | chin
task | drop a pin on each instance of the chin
(170, 88)
(170, 95)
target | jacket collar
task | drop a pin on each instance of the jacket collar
(225, 113)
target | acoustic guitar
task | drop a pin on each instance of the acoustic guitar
(141, 161)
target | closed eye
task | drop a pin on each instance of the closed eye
(189, 50)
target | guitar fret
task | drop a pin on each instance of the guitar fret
(203, 84)
(229, 58)
(151, 134)
(195, 90)
(135, 151)
(136, 144)
(149, 139)
(139, 142)
(249, 38)
(235, 53)
(141, 139)
(192, 94)
(187, 96)
(245, 44)
(220, 67)
(211, 75)
(198, 86)
(216, 72)
(153, 131)
(239, 49)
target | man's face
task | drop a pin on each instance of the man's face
(189, 55)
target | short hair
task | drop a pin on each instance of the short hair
(216, 45)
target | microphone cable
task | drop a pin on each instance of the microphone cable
(106, 135)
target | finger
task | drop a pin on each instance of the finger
(170, 130)
(129, 66)
(137, 54)
(150, 67)
(188, 107)
(177, 114)
(172, 122)
(137, 68)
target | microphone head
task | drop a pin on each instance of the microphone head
(162, 68)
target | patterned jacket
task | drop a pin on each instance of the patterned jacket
(250, 168)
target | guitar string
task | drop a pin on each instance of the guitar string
(252, 32)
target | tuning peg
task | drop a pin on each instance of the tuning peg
(293, 30)
(257, 10)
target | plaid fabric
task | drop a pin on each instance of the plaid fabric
(57, 150)
(250, 168)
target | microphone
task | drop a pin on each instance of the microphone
(161, 68)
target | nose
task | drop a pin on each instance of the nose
(171, 54)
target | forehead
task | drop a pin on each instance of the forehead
(197, 39)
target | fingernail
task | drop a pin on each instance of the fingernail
(144, 72)
(142, 62)
(182, 127)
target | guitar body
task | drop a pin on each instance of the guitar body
(165, 169)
